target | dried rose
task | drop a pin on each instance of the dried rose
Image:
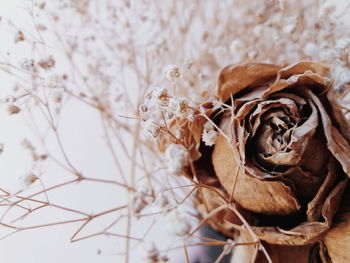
(285, 158)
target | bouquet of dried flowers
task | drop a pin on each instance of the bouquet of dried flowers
(226, 117)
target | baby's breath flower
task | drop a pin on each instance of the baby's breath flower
(188, 64)
(47, 63)
(152, 254)
(13, 109)
(58, 94)
(161, 94)
(137, 204)
(29, 179)
(143, 108)
(19, 37)
(140, 199)
(169, 115)
(172, 72)
(209, 137)
(151, 128)
(177, 157)
(179, 106)
(28, 64)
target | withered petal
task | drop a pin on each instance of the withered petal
(337, 240)
(310, 232)
(268, 197)
(235, 78)
(301, 67)
(336, 143)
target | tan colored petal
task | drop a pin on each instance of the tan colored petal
(299, 81)
(302, 67)
(308, 232)
(235, 78)
(277, 253)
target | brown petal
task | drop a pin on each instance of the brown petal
(306, 79)
(277, 253)
(235, 78)
(308, 232)
(337, 239)
(336, 142)
(301, 67)
(213, 196)
(253, 194)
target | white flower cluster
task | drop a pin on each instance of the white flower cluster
(177, 158)
(161, 94)
(209, 135)
(182, 108)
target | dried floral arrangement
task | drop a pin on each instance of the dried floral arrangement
(232, 114)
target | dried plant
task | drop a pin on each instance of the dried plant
(145, 73)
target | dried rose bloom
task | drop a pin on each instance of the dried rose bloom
(284, 160)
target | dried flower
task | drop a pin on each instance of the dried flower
(153, 255)
(19, 37)
(58, 94)
(161, 94)
(13, 109)
(285, 154)
(209, 137)
(29, 179)
(143, 108)
(172, 72)
(179, 107)
(140, 199)
(47, 63)
(151, 128)
(29, 65)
